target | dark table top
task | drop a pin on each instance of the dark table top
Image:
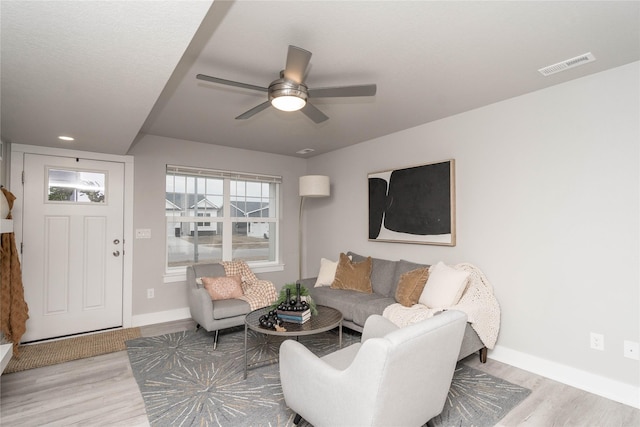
(326, 319)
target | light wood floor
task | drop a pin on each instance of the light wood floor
(102, 391)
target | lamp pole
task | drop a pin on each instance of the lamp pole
(300, 239)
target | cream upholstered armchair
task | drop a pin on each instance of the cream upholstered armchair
(394, 376)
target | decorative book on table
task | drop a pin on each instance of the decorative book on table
(294, 316)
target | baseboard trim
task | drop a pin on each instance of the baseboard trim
(160, 317)
(596, 384)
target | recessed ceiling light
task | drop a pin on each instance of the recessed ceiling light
(305, 151)
(66, 138)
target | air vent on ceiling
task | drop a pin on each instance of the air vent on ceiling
(569, 63)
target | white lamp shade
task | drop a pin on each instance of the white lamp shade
(314, 186)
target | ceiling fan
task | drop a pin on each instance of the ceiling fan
(289, 93)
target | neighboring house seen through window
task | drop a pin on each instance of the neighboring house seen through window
(241, 212)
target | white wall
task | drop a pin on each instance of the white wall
(5, 152)
(152, 154)
(547, 206)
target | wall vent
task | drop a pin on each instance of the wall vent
(569, 63)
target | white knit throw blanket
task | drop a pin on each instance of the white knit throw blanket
(478, 301)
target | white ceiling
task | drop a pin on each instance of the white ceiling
(105, 71)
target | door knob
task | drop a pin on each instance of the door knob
(116, 253)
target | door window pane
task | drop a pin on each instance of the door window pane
(76, 186)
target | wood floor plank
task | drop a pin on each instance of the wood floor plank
(95, 391)
(555, 404)
(101, 391)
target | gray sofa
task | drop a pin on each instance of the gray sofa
(356, 307)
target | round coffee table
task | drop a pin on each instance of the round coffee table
(326, 319)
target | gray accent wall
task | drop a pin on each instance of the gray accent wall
(547, 206)
(152, 154)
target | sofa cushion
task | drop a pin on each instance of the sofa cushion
(340, 299)
(355, 306)
(353, 275)
(230, 308)
(382, 274)
(411, 285)
(220, 288)
(444, 287)
(374, 304)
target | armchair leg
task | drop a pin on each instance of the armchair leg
(215, 339)
(297, 419)
(483, 354)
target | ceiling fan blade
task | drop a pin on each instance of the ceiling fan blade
(231, 83)
(343, 91)
(297, 63)
(313, 113)
(255, 110)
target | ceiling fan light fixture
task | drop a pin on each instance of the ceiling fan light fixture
(288, 103)
(286, 95)
(289, 92)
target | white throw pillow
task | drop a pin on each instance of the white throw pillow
(444, 287)
(327, 272)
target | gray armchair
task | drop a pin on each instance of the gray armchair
(394, 376)
(213, 315)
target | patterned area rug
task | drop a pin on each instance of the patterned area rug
(185, 382)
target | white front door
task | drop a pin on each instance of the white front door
(72, 267)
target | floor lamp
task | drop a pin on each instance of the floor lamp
(310, 186)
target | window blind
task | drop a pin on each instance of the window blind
(214, 173)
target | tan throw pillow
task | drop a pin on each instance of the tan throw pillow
(354, 276)
(411, 285)
(223, 287)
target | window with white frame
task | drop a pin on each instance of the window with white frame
(241, 212)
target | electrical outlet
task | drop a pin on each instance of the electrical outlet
(597, 341)
(632, 350)
(150, 293)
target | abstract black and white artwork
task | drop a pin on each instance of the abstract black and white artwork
(414, 204)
